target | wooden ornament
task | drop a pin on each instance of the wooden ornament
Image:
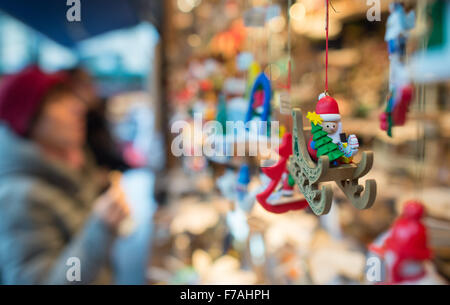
(269, 198)
(262, 87)
(308, 174)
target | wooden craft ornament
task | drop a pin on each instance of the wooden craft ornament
(309, 174)
(323, 157)
(401, 90)
(261, 86)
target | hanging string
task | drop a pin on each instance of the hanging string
(289, 42)
(289, 77)
(421, 137)
(248, 46)
(269, 48)
(327, 20)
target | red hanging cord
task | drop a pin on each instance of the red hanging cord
(290, 123)
(326, 50)
(289, 77)
(289, 42)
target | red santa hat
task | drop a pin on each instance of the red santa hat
(328, 108)
(21, 95)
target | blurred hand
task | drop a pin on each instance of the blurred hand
(112, 207)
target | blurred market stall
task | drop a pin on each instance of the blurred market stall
(215, 51)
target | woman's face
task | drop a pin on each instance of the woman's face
(61, 123)
(84, 87)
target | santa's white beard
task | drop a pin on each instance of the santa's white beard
(336, 135)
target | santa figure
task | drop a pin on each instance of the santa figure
(405, 249)
(328, 110)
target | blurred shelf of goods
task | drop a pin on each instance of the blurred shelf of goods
(296, 141)
(213, 229)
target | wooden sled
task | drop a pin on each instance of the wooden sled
(308, 174)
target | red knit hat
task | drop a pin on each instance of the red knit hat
(22, 93)
(328, 108)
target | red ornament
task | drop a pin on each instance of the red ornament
(401, 109)
(259, 99)
(275, 173)
(206, 85)
(396, 109)
(384, 125)
(406, 244)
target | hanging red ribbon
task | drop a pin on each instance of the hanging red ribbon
(290, 127)
(326, 50)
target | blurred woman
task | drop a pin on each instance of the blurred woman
(52, 218)
(99, 139)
